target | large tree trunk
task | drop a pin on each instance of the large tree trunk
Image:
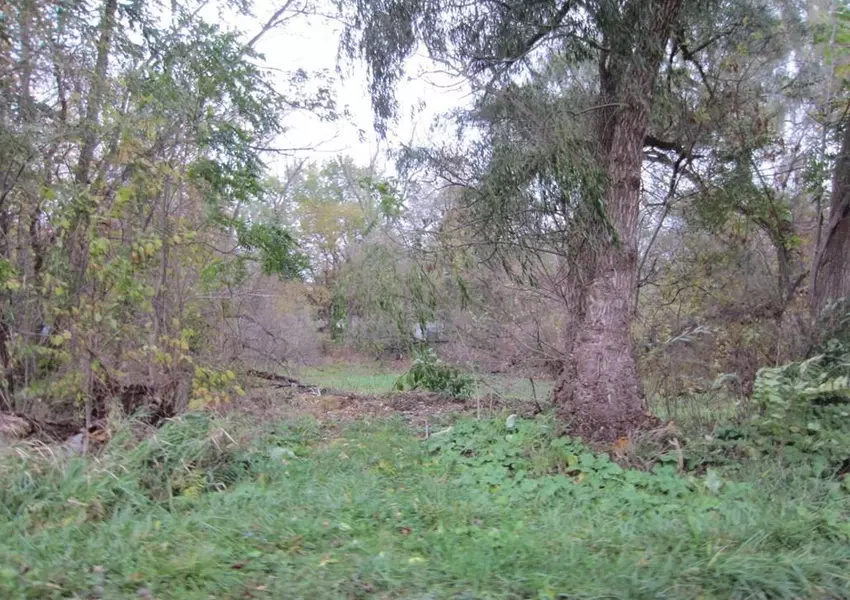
(599, 394)
(831, 269)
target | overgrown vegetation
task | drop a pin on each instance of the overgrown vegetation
(802, 416)
(231, 507)
(428, 372)
(642, 204)
(155, 270)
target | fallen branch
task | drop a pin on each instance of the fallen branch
(282, 380)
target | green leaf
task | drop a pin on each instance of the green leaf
(713, 481)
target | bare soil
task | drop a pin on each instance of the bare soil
(417, 407)
(279, 397)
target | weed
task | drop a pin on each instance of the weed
(479, 510)
(428, 372)
(802, 418)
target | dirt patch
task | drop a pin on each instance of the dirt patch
(278, 398)
(333, 406)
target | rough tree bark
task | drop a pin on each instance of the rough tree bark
(831, 269)
(598, 394)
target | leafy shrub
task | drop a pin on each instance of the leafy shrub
(428, 372)
(805, 408)
(529, 461)
(804, 415)
(211, 387)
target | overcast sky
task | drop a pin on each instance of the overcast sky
(311, 43)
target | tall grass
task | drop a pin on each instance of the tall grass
(234, 509)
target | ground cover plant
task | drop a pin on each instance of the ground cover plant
(501, 507)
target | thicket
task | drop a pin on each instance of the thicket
(133, 144)
(150, 257)
(800, 413)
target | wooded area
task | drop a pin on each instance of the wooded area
(642, 199)
(585, 334)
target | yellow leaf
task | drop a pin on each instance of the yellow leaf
(326, 560)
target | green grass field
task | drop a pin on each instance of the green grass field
(260, 508)
(373, 379)
(358, 378)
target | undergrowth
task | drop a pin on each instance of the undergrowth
(429, 373)
(483, 509)
(802, 418)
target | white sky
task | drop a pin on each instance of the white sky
(312, 43)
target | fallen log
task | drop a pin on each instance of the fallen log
(282, 380)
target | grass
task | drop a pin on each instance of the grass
(211, 508)
(701, 413)
(357, 378)
(696, 412)
(374, 379)
(515, 387)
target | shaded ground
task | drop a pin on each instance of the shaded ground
(418, 408)
(376, 378)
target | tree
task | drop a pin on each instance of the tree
(334, 210)
(598, 392)
(132, 139)
(830, 272)
(830, 279)
(738, 202)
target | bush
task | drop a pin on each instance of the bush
(803, 416)
(428, 372)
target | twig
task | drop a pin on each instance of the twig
(273, 21)
(283, 379)
(680, 457)
(534, 395)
